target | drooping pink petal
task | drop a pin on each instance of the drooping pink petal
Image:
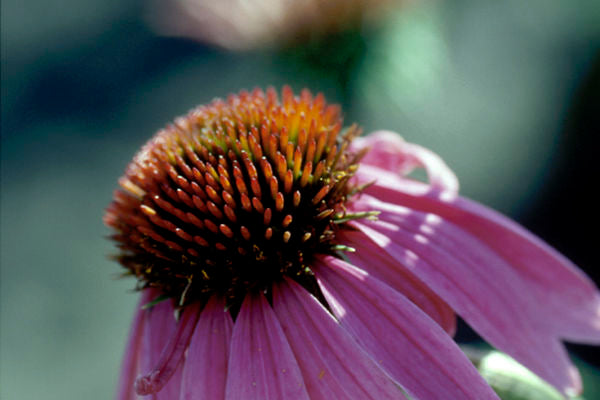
(261, 365)
(332, 364)
(371, 259)
(460, 251)
(162, 370)
(387, 150)
(478, 285)
(405, 342)
(129, 366)
(205, 370)
(569, 296)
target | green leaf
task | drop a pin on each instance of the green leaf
(512, 381)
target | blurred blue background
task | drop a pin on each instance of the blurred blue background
(507, 92)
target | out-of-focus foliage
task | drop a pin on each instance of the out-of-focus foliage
(483, 81)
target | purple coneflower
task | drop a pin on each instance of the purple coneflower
(282, 257)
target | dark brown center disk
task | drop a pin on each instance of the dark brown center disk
(235, 195)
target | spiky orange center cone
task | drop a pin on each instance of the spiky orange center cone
(236, 195)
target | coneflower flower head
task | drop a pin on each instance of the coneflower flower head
(236, 195)
(242, 218)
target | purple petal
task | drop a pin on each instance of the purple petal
(261, 363)
(387, 150)
(159, 326)
(408, 345)
(371, 259)
(205, 370)
(333, 365)
(129, 366)
(571, 300)
(480, 286)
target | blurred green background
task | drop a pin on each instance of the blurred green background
(507, 92)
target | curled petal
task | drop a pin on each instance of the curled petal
(408, 345)
(162, 377)
(262, 365)
(388, 151)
